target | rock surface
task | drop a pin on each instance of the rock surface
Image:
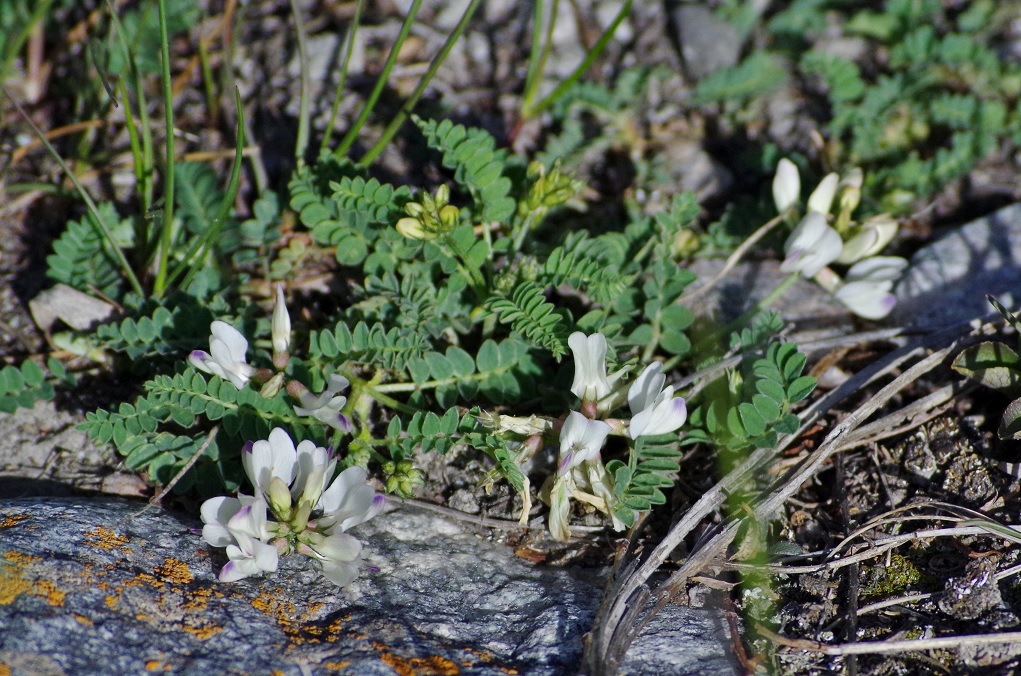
(948, 279)
(106, 586)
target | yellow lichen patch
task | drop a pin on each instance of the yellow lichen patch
(151, 580)
(13, 582)
(111, 602)
(83, 620)
(49, 591)
(11, 520)
(299, 627)
(20, 558)
(175, 571)
(336, 666)
(417, 666)
(157, 665)
(199, 599)
(202, 631)
(107, 540)
(5, 670)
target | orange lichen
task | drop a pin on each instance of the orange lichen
(83, 620)
(20, 558)
(198, 599)
(299, 627)
(157, 665)
(11, 520)
(107, 540)
(203, 631)
(433, 665)
(49, 591)
(336, 666)
(14, 583)
(5, 670)
(151, 580)
(487, 657)
(111, 602)
(175, 571)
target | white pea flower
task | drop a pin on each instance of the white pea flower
(349, 501)
(821, 198)
(586, 480)
(250, 556)
(326, 407)
(271, 458)
(226, 356)
(868, 239)
(339, 556)
(591, 382)
(867, 287)
(296, 508)
(654, 409)
(811, 246)
(786, 185)
(240, 525)
(581, 439)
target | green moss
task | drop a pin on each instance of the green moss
(892, 579)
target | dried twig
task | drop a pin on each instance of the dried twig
(889, 647)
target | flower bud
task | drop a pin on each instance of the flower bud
(412, 229)
(299, 521)
(272, 386)
(786, 185)
(449, 216)
(821, 198)
(850, 193)
(442, 196)
(281, 325)
(279, 497)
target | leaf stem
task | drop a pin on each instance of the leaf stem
(384, 140)
(166, 242)
(381, 81)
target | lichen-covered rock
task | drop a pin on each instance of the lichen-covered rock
(109, 586)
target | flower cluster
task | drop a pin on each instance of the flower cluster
(298, 505)
(296, 508)
(227, 358)
(580, 471)
(815, 243)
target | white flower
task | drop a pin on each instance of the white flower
(311, 513)
(281, 324)
(811, 246)
(590, 380)
(226, 356)
(240, 525)
(349, 501)
(867, 285)
(326, 407)
(268, 458)
(821, 198)
(588, 482)
(250, 556)
(560, 507)
(786, 185)
(654, 409)
(339, 556)
(868, 239)
(580, 440)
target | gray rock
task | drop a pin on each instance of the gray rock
(707, 43)
(948, 280)
(92, 586)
